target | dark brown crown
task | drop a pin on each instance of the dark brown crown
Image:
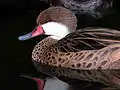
(58, 14)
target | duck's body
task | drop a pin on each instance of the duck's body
(81, 55)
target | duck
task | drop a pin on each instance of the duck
(89, 54)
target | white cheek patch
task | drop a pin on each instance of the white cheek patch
(56, 37)
(56, 30)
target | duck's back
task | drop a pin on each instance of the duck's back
(88, 39)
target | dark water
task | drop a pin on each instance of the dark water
(16, 55)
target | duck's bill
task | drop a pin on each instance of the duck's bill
(37, 31)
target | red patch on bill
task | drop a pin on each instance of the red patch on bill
(39, 30)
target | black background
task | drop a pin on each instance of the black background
(17, 17)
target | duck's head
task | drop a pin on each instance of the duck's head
(54, 21)
(53, 29)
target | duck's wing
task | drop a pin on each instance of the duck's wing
(88, 39)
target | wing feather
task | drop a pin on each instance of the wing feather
(88, 39)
